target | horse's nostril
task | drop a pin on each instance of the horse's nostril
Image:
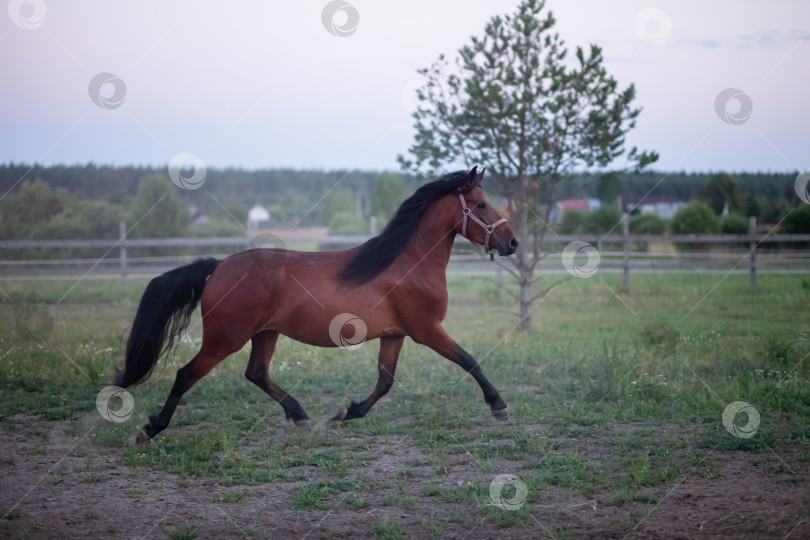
(514, 243)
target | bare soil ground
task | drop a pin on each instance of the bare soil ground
(48, 492)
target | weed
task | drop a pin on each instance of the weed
(388, 529)
(183, 533)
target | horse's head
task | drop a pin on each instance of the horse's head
(480, 222)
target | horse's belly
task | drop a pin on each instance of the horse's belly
(339, 326)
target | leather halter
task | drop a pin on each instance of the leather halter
(488, 228)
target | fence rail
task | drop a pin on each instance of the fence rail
(753, 251)
(245, 242)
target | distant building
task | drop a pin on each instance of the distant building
(583, 205)
(258, 218)
(663, 208)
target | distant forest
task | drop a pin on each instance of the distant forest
(89, 200)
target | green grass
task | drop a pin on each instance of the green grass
(388, 528)
(324, 495)
(615, 397)
(183, 533)
(233, 497)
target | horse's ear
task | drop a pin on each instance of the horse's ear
(473, 179)
(479, 177)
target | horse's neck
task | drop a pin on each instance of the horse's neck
(432, 240)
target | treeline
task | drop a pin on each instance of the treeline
(289, 195)
(276, 188)
(89, 201)
(777, 187)
(62, 202)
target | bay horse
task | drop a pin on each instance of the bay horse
(390, 287)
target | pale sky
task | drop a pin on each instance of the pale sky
(264, 84)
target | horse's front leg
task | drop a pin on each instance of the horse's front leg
(440, 341)
(386, 365)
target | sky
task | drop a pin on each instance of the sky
(323, 85)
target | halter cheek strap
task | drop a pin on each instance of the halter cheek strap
(467, 213)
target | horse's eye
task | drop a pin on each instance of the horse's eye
(481, 205)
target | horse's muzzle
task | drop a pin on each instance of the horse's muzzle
(509, 248)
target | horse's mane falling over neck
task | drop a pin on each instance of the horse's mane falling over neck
(378, 253)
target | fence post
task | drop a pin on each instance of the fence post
(752, 233)
(599, 249)
(626, 249)
(122, 255)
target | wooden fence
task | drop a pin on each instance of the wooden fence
(753, 251)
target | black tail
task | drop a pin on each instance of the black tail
(164, 312)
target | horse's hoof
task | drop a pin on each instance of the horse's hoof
(501, 414)
(139, 438)
(303, 424)
(339, 413)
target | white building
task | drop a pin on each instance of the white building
(258, 217)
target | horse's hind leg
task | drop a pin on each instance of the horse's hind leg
(196, 369)
(263, 345)
(387, 365)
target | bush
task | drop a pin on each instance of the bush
(734, 224)
(344, 223)
(157, 211)
(603, 220)
(38, 212)
(573, 222)
(347, 223)
(83, 219)
(220, 227)
(646, 224)
(31, 205)
(797, 221)
(762, 208)
(697, 218)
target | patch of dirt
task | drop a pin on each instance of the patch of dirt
(742, 501)
(48, 492)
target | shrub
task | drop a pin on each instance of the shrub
(697, 218)
(646, 224)
(797, 221)
(347, 223)
(603, 220)
(734, 224)
(573, 222)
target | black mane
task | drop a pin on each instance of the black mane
(378, 253)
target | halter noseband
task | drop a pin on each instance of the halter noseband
(488, 228)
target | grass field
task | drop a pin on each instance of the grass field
(617, 421)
